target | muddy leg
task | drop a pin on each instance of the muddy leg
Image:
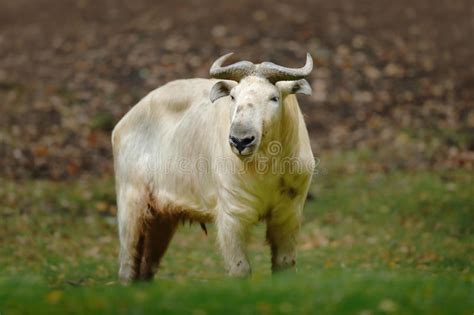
(159, 231)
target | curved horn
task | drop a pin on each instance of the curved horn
(275, 73)
(233, 72)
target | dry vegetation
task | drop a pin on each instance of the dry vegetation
(395, 78)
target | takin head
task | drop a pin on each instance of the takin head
(257, 93)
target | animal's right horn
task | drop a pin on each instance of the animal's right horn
(275, 73)
(234, 72)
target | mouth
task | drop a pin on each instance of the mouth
(244, 145)
(243, 151)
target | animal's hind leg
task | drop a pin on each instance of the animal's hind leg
(159, 230)
(131, 210)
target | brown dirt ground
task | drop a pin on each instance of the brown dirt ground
(392, 77)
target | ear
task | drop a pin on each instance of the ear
(221, 89)
(294, 87)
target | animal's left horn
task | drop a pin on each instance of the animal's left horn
(275, 73)
(234, 72)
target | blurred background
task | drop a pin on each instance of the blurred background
(389, 221)
(393, 80)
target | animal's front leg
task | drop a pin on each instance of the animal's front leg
(232, 235)
(282, 234)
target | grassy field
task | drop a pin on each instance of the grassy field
(372, 243)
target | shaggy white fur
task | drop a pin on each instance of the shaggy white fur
(173, 162)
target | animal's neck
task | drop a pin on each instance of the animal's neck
(290, 124)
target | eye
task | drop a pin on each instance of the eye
(232, 97)
(275, 99)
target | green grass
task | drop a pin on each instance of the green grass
(371, 243)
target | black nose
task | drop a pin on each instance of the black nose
(241, 143)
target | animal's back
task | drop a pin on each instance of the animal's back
(159, 140)
(163, 107)
(173, 124)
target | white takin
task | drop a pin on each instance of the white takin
(233, 150)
